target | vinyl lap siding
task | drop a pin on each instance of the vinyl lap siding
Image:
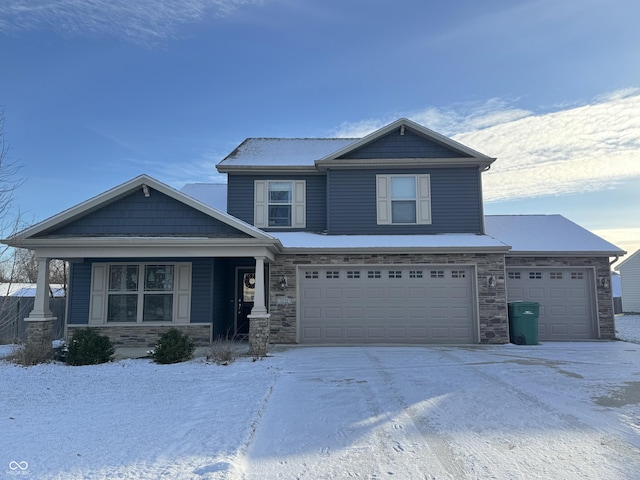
(241, 202)
(202, 288)
(630, 282)
(455, 202)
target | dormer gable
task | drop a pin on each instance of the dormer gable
(404, 142)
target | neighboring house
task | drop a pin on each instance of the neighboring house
(381, 239)
(630, 282)
(28, 290)
(616, 292)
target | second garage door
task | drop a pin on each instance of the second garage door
(391, 304)
(566, 298)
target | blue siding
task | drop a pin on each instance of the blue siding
(210, 294)
(80, 285)
(222, 299)
(409, 145)
(455, 202)
(241, 202)
(136, 214)
(201, 291)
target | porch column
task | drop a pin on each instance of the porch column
(259, 307)
(259, 318)
(40, 321)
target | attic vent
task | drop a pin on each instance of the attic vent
(401, 129)
(145, 190)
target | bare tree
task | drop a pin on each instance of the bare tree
(9, 219)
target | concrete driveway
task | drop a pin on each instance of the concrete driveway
(560, 410)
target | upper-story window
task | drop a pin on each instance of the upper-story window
(403, 199)
(280, 204)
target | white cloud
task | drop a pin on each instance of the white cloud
(586, 148)
(627, 239)
(138, 21)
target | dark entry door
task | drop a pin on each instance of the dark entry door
(245, 293)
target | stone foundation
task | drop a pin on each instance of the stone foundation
(146, 336)
(40, 331)
(258, 335)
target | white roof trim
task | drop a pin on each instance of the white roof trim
(415, 126)
(96, 202)
(626, 260)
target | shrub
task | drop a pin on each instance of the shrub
(88, 347)
(32, 353)
(173, 347)
(223, 351)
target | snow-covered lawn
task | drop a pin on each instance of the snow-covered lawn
(557, 410)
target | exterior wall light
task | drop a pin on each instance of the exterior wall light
(283, 283)
(491, 281)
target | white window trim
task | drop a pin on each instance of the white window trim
(99, 293)
(423, 200)
(298, 204)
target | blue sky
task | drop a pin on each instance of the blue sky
(97, 92)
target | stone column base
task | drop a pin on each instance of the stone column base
(40, 330)
(258, 334)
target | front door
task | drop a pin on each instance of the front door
(245, 293)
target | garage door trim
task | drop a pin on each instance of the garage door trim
(471, 268)
(591, 303)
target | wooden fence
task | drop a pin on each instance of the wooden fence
(13, 311)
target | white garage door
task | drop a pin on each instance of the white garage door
(566, 298)
(391, 304)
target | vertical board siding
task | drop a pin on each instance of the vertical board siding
(79, 293)
(136, 214)
(201, 291)
(409, 145)
(241, 202)
(222, 299)
(455, 202)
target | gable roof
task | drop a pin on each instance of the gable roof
(28, 238)
(464, 152)
(310, 154)
(547, 235)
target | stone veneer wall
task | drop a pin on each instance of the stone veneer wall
(39, 331)
(146, 336)
(604, 298)
(492, 303)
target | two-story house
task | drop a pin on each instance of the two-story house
(381, 239)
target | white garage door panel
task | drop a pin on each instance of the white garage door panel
(565, 295)
(412, 304)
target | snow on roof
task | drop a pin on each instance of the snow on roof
(283, 151)
(304, 240)
(212, 194)
(546, 234)
(27, 290)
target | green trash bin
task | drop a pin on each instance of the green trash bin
(523, 322)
